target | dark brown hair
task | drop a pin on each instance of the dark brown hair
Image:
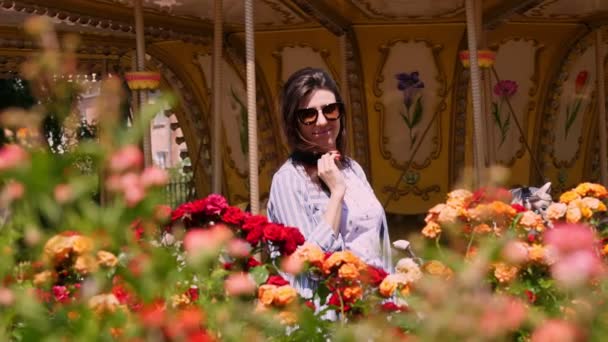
(298, 88)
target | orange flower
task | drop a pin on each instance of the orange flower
(431, 230)
(266, 294)
(352, 293)
(85, 264)
(180, 300)
(482, 229)
(343, 257)
(449, 215)
(106, 259)
(531, 220)
(536, 253)
(43, 278)
(348, 271)
(312, 254)
(104, 303)
(409, 269)
(505, 273)
(81, 244)
(569, 196)
(556, 211)
(436, 268)
(287, 318)
(57, 248)
(591, 189)
(391, 283)
(605, 250)
(284, 295)
(459, 198)
(574, 213)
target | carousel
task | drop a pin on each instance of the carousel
(138, 210)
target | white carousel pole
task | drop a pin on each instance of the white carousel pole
(252, 124)
(217, 99)
(345, 87)
(601, 104)
(140, 52)
(478, 143)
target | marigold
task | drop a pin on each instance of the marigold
(391, 283)
(569, 196)
(431, 230)
(81, 244)
(531, 220)
(343, 257)
(459, 198)
(574, 213)
(266, 294)
(312, 254)
(505, 273)
(591, 189)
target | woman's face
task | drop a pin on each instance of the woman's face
(322, 132)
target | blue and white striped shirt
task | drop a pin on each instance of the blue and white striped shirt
(297, 201)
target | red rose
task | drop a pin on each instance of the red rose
(251, 263)
(61, 294)
(519, 208)
(214, 204)
(288, 247)
(233, 215)
(254, 221)
(334, 300)
(274, 232)
(295, 235)
(276, 280)
(374, 275)
(392, 307)
(254, 236)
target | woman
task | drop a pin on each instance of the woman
(318, 189)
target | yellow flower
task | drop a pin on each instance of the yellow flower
(106, 259)
(431, 230)
(348, 271)
(352, 293)
(605, 250)
(391, 283)
(569, 196)
(591, 189)
(57, 248)
(284, 295)
(505, 273)
(574, 213)
(85, 264)
(343, 257)
(81, 244)
(405, 290)
(287, 318)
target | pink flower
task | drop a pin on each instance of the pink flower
(132, 188)
(576, 268)
(570, 237)
(12, 156)
(7, 297)
(199, 241)
(61, 294)
(63, 193)
(515, 252)
(13, 190)
(239, 284)
(501, 315)
(153, 176)
(505, 88)
(239, 248)
(557, 331)
(128, 157)
(215, 204)
(292, 264)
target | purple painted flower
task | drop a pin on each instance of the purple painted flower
(505, 88)
(409, 84)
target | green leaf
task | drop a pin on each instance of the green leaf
(417, 112)
(406, 119)
(496, 115)
(259, 274)
(545, 283)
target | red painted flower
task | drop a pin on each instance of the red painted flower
(581, 81)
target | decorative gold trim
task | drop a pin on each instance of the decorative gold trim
(324, 53)
(441, 106)
(372, 13)
(423, 193)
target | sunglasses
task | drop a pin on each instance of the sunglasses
(332, 111)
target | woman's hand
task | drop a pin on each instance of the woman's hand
(330, 174)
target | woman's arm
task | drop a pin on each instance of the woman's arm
(286, 205)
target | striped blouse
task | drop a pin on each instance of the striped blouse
(295, 200)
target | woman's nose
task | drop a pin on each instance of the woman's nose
(321, 120)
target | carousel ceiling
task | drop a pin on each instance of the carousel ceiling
(192, 19)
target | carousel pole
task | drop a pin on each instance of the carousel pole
(478, 142)
(601, 104)
(252, 124)
(141, 65)
(344, 85)
(217, 99)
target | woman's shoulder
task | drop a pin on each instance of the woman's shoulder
(357, 169)
(287, 172)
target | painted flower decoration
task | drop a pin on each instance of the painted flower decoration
(572, 110)
(504, 90)
(411, 85)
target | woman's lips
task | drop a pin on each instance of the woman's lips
(323, 132)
